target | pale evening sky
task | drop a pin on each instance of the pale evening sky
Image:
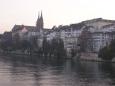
(55, 12)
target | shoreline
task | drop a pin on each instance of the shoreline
(93, 57)
(84, 57)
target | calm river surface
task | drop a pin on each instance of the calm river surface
(23, 72)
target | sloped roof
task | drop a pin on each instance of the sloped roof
(108, 26)
(16, 28)
(20, 27)
(98, 19)
(46, 29)
(77, 26)
(29, 28)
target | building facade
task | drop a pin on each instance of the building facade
(91, 35)
(24, 32)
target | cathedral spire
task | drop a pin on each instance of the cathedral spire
(41, 15)
(38, 15)
(39, 23)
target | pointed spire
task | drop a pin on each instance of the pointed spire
(41, 15)
(38, 20)
(40, 23)
(38, 15)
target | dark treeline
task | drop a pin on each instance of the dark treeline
(53, 48)
(107, 53)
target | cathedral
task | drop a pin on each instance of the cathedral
(40, 22)
(26, 32)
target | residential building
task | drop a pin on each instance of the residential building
(90, 35)
(95, 34)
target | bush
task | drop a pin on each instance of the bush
(108, 52)
(105, 54)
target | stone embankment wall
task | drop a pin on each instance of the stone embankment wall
(92, 57)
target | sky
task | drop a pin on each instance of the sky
(55, 12)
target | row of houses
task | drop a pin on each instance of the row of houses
(90, 35)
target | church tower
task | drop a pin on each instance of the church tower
(37, 22)
(40, 22)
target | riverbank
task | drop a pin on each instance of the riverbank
(92, 57)
(27, 56)
(82, 57)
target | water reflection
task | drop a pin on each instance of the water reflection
(40, 72)
(108, 71)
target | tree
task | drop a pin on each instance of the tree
(108, 52)
(5, 46)
(25, 45)
(57, 47)
(34, 44)
(45, 46)
(85, 39)
(105, 54)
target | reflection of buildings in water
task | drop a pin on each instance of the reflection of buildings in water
(20, 74)
(24, 73)
(90, 72)
(79, 73)
(49, 75)
(94, 73)
(68, 66)
(36, 76)
(29, 74)
(108, 70)
(70, 77)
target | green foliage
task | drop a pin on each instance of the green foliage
(58, 47)
(54, 47)
(73, 52)
(11, 45)
(108, 52)
(85, 40)
(25, 45)
(45, 46)
(33, 42)
(5, 46)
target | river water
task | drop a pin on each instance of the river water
(40, 72)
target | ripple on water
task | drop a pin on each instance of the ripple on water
(16, 73)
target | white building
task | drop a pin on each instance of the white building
(103, 37)
(102, 32)
(69, 35)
